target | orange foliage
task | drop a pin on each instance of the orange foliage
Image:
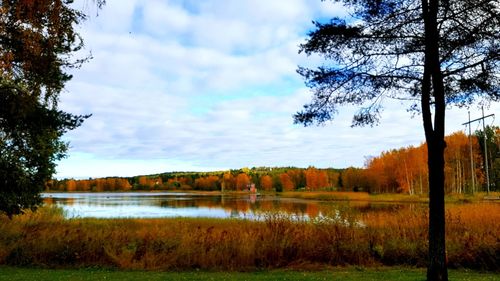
(83, 185)
(228, 182)
(71, 185)
(123, 184)
(242, 181)
(207, 183)
(297, 177)
(405, 170)
(458, 167)
(316, 179)
(143, 181)
(333, 178)
(151, 183)
(286, 182)
(354, 179)
(101, 184)
(266, 183)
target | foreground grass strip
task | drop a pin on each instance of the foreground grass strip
(401, 274)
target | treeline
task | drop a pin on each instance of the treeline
(261, 178)
(401, 170)
(98, 185)
(405, 170)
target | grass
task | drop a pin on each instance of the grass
(343, 238)
(347, 274)
(326, 195)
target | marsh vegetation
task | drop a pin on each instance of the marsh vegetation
(343, 236)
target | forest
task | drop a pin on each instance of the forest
(402, 170)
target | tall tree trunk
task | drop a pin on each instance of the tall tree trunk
(433, 83)
(437, 268)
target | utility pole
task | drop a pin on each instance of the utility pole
(486, 154)
(485, 148)
(472, 174)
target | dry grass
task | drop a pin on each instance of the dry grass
(44, 238)
(327, 195)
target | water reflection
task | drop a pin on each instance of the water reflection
(157, 205)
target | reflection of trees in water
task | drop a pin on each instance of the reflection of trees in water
(106, 200)
(240, 206)
(312, 210)
(59, 201)
(179, 204)
(389, 207)
(48, 201)
(63, 201)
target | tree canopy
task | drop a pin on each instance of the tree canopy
(432, 53)
(37, 40)
(378, 53)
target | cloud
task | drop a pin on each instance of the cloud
(162, 18)
(204, 85)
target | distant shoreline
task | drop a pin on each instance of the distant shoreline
(322, 195)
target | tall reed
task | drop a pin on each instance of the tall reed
(45, 238)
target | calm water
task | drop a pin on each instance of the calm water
(161, 205)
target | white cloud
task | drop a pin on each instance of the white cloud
(164, 19)
(204, 85)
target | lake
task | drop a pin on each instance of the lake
(179, 204)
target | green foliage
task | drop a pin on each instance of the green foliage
(36, 43)
(29, 145)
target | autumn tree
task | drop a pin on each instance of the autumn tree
(419, 168)
(71, 185)
(493, 157)
(210, 182)
(37, 40)
(143, 182)
(149, 182)
(458, 174)
(353, 179)
(382, 171)
(266, 183)
(228, 182)
(315, 179)
(123, 184)
(432, 53)
(404, 170)
(277, 182)
(98, 185)
(242, 181)
(333, 179)
(286, 182)
(83, 185)
(297, 176)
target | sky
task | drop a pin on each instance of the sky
(189, 85)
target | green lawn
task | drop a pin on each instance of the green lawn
(386, 274)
